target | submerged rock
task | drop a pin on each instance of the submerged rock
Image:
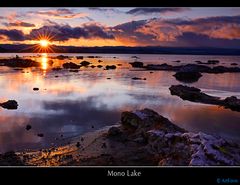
(195, 95)
(10, 104)
(136, 64)
(71, 65)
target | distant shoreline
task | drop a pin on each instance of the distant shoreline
(23, 48)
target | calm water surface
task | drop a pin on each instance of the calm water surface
(76, 103)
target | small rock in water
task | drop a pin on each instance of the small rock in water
(234, 64)
(40, 135)
(92, 126)
(35, 88)
(110, 67)
(82, 139)
(108, 78)
(136, 78)
(10, 104)
(85, 63)
(28, 127)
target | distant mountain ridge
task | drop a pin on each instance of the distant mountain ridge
(24, 48)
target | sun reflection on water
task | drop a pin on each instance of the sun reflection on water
(44, 63)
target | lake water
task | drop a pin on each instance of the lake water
(69, 103)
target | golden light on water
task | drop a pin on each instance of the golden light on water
(44, 62)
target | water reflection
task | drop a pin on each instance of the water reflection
(71, 103)
(44, 62)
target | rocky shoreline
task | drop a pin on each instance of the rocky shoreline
(142, 138)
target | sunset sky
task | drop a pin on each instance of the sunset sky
(188, 27)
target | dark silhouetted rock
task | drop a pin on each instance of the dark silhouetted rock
(71, 65)
(10, 104)
(234, 64)
(18, 62)
(56, 68)
(192, 67)
(136, 78)
(62, 57)
(99, 66)
(213, 62)
(188, 77)
(195, 95)
(136, 64)
(28, 127)
(177, 61)
(100, 61)
(85, 63)
(35, 88)
(79, 57)
(135, 57)
(92, 66)
(78, 144)
(108, 78)
(40, 135)
(232, 103)
(163, 67)
(110, 67)
(10, 159)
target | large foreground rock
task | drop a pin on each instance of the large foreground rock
(143, 137)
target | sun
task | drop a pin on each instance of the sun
(44, 43)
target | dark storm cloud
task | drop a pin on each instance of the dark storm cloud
(167, 32)
(66, 32)
(13, 35)
(19, 24)
(144, 11)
